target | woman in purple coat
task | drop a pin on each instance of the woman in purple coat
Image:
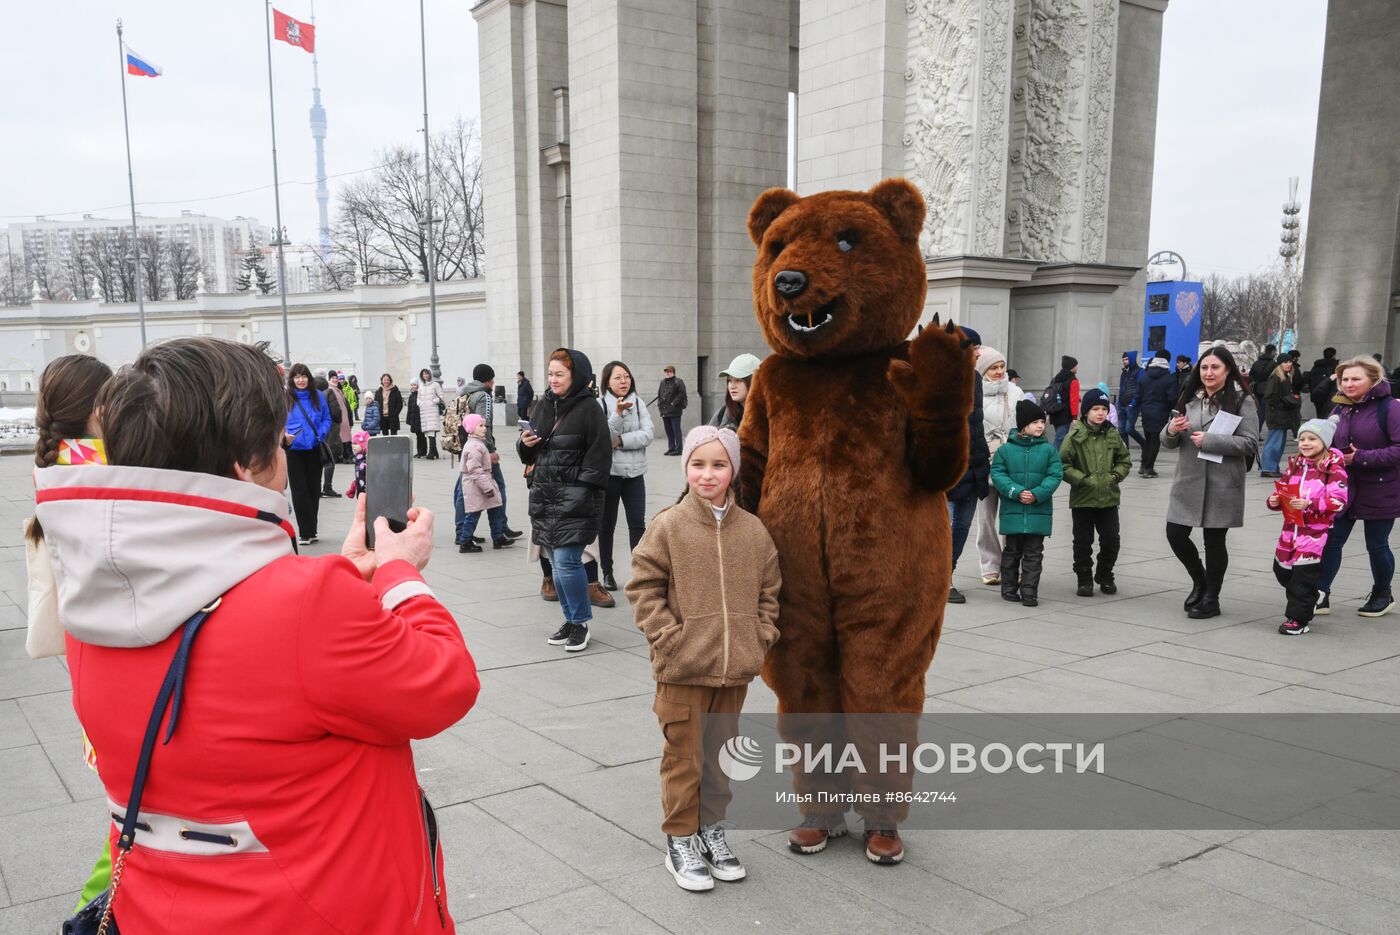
(1368, 435)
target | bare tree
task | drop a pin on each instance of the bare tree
(39, 272)
(1243, 308)
(381, 230)
(108, 255)
(153, 264)
(182, 268)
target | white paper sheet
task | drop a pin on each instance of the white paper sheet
(1224, 423)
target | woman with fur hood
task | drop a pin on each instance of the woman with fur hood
(999, 399)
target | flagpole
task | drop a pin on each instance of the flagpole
(131, 189)
(434, 366)
(281, 236)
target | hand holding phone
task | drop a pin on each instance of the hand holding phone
(525, 427)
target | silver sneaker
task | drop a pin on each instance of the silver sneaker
(715, 852)
(686, 866)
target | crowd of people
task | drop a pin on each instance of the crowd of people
(204, 440)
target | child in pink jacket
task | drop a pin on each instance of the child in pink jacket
(1320, 475)
(479, 491)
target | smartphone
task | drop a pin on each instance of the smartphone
(525, 426)
(1176, 414)
(388, 483)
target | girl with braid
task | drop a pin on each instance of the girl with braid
(69, 434)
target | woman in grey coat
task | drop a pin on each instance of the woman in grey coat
(1204, 493)
(631, 429)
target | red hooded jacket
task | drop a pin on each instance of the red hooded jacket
(303, 690)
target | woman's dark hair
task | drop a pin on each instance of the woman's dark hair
(425, 375)
(383, 375)
(1231, 396)
(736, 409)
(68, 390)
(195, 404)
(606, 385)
(355, 382)
(301, 370)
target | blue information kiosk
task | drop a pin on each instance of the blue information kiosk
(1172, 319)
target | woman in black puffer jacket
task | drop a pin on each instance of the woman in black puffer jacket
(568, 452)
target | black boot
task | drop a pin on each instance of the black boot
(1086, 584)
(1011, 571)
(1198, 591)
(432, 448)
(609, 582)
(1209, 606)
(1105, 580)
(1031, 563)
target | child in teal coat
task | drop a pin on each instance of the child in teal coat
(1025, 472)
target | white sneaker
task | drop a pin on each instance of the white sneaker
(685, 864)
(715, 852)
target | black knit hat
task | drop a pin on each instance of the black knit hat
(1068, 363)
(1095, 397)
(1026, 413)
(1162, 354)
(483, 372)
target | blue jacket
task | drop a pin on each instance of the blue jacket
(1128, 381)
(308, 434)
(1158, 391)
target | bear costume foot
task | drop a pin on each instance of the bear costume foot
(811, 836)
(883, 846)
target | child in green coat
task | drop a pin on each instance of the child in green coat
(1025, 471)
(1096, 461)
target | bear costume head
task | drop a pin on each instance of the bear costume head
(838, 273)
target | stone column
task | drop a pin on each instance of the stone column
(1351, 277)
(524, 56)
(632, 71)
(851, 104)
(741, 109)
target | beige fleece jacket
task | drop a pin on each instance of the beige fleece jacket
(705, 593)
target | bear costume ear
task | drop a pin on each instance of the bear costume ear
(901, 202)
(767, 208)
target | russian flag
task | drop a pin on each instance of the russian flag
(140, 65)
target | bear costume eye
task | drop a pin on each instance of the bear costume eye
(775, 247)
(846, 241)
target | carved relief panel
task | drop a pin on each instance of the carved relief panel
(957, 81)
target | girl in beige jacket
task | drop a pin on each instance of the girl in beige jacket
(704, 589)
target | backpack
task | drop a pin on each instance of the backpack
(1053, 399)
(449, 437)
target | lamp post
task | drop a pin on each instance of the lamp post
(1289, 251)
(428, 197)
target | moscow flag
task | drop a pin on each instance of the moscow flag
(293, 31)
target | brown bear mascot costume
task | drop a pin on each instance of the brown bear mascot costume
(851, 435)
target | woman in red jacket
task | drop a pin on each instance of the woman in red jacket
(287, 801)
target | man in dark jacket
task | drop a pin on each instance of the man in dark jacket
(1129, 398)
(671, 402)
(1322, 382)
(1063, 417)
(1183, 372)
(962, 499)
(1259, 377)
(524, 395)
(1158, 391)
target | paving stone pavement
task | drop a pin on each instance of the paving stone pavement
(547, 791)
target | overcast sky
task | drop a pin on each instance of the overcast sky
(1237, 111)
